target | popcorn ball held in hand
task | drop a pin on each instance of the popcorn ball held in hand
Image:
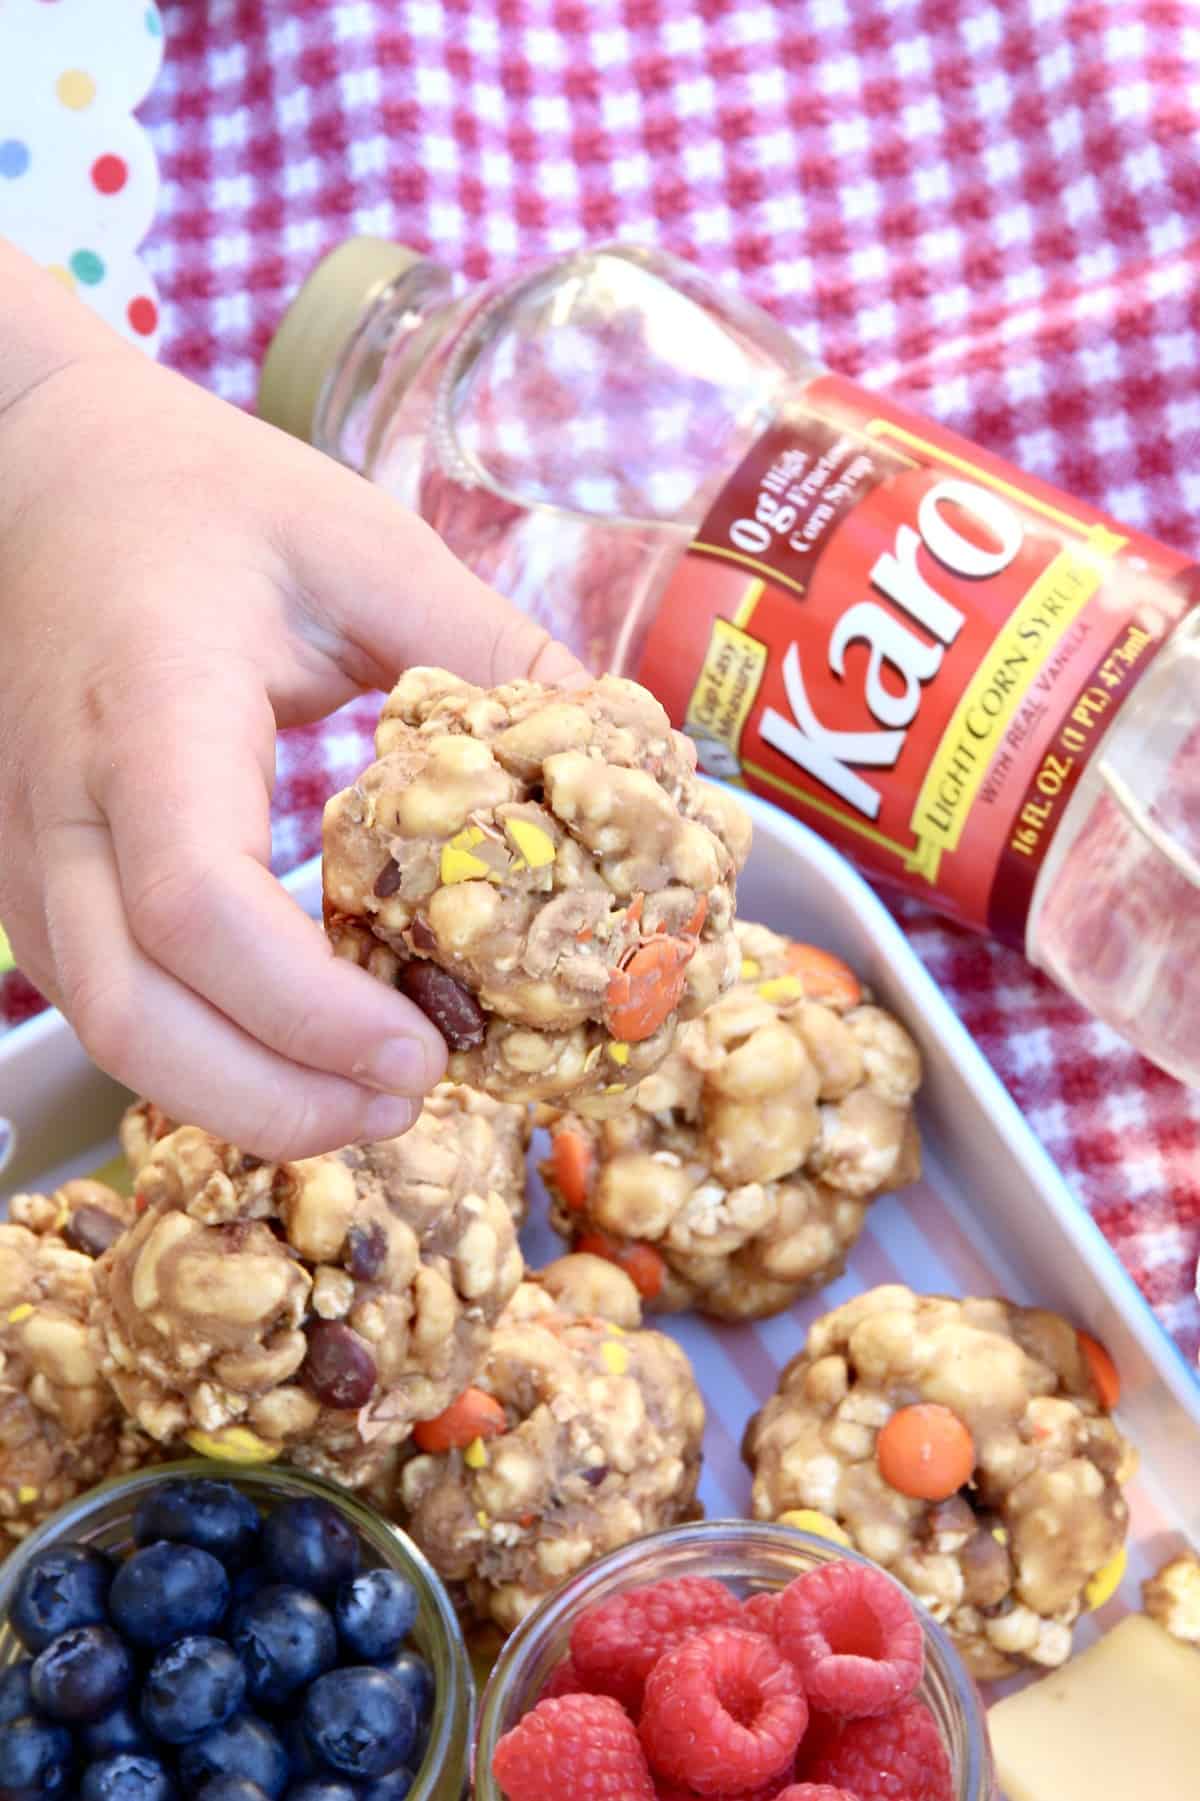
(741, 1175)
(543, 874)
(314, 1308)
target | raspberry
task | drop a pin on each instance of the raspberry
(773, 1792)
(564, 1679)
(760, 1613)
(854, 1638)
(723, 1712)
(814, 1791)
(616, 1645)
(896, 1756)
(583, 1746)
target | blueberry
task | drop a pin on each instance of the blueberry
(62, 1587)
(322, 1788)
(168, 1590)
(286, 1639)
(81, 1675)
(375, 1612)
(415, 1678)
(360, 1721)
(392, 1787)
(35, 1759)
(194, 1684)
(129, 1776)
(244, 1746)
(214, 1516)
(118, 1730)
(14, 1691)
(301, 1757)
(310, 1544)
(244, 1587)
(233, 1788)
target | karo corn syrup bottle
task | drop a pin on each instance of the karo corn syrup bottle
(984, 692)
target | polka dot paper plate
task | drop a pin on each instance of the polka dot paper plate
(78, 178)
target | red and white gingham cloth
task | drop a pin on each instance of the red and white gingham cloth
(992, 209)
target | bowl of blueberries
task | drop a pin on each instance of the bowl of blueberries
(208, 1632)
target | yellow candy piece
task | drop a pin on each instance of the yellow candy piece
(482, 1518)
(475, 1455)
(19, 1313)
(536, 846)
(807, 1519)
(751, 969)
(1000, 1534)
(233, 1444)
(458, 865)
(782, 988)
(615, 1357)
(618, 1052)
(614, 1088)
(27, 1495)
(617, 1331)
(1105, 1583)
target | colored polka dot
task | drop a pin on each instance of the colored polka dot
(109, 174)
(142, 315)
(153, 22)
(76, 89)
(62, 275)
(87, 267)
(14, 158)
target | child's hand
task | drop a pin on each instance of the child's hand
(175, 580)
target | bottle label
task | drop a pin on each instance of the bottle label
(909, 645)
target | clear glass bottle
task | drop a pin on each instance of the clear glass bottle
(104, 1517)
(751, 1558)
(583, 433)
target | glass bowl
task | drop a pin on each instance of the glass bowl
(748, 1557)
(104, 1517)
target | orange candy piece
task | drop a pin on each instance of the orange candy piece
(571, 1167)
(648, 988)
(473, 1415)
(1102, 1370)
(825, 977)
(926, 1452)
(641, 1262)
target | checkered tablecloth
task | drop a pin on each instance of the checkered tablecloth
(992, 207)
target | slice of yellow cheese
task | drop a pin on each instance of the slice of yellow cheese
(1120, 1721)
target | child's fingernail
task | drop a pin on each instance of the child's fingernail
(386, 1117)
(400, 1066)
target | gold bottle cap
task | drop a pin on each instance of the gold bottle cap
(314, 331)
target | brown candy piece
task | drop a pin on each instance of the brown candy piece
(452, 1008)
(366, 1250)
(339, 1370)
(91, 1230)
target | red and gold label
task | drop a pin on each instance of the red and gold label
(909, 645)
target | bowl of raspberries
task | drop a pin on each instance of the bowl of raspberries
(205, 1632)
(729, 1661)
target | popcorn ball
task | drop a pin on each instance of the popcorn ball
(1172, 1597)
(61, 1429)
(741, 1175)
(964, 1446)
(543, 874)
(315, 1308)
(577, 1436)
(462, 1143)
